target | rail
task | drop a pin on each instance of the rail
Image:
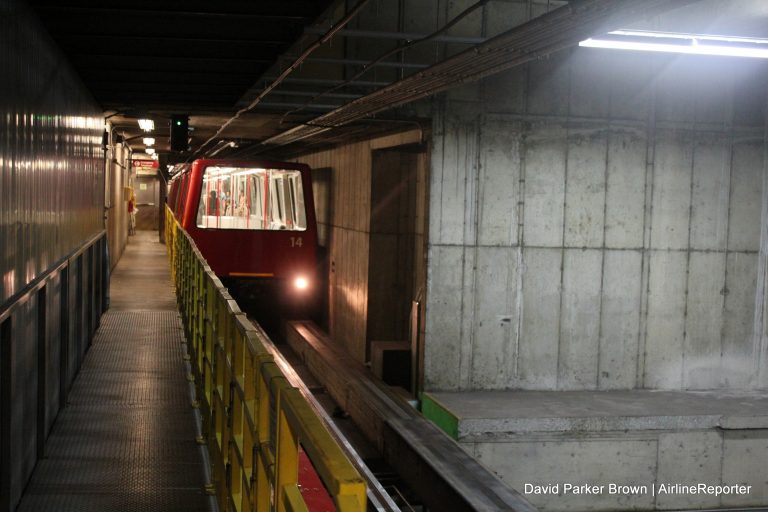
(46, 329)
(255, 423)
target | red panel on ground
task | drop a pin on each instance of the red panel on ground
(312, 488)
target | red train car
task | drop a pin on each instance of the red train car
(250, 219)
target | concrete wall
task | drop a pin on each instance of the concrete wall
(640, 459)
(596, 222)
(348, 235)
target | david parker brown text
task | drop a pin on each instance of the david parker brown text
(635, 490)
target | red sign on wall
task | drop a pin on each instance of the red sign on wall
(146, 164)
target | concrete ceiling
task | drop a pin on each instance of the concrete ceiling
(212, 59)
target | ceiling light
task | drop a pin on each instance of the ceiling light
(150, 151)
(148, 141)
(146, 124)
(672, 42)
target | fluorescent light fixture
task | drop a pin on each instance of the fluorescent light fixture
(148, 141)
(146, 124)
(673, 42)
(149, 151)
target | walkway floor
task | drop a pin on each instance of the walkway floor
(126, 439)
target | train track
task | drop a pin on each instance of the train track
(386, 493)
(409, 464)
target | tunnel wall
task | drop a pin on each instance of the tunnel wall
(52, 240)
(50, 152)
(348, 235)
(118, 170)
(598, 221)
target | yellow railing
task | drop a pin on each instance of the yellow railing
(254, 421)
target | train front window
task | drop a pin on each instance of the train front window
(251, 198)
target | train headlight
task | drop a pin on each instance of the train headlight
(301, 283)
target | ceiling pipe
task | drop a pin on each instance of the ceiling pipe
(405, 36)
(361, 62)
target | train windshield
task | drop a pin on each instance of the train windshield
(252, 198)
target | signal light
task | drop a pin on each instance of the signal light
(179, 133)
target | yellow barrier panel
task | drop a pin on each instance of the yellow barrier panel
(298, 424)
(293, 501)
(254, 421)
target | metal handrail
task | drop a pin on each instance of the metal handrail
(254, 421)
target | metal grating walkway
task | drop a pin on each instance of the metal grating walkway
(126, 439)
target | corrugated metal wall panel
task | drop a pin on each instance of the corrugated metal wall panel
(118, 164)
(51, 238)
(51, 161)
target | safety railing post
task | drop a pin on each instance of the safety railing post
(287, 462)
(200, 316)
(211, 333)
